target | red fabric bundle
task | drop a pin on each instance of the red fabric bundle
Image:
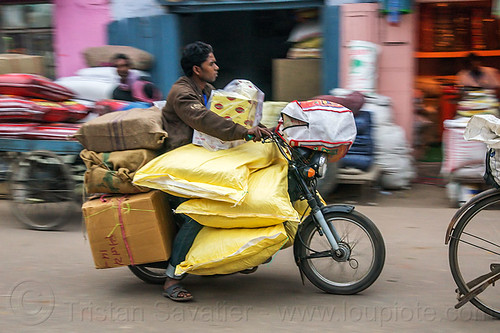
(12, 108)
(57, 131)
(52, 111)
(110, 105)
(76, 111)
(19, 108)
(31, 85)
(15, 130)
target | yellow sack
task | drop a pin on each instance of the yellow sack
(195, 172)
(291, 227)
(225, 251)
(267, 203)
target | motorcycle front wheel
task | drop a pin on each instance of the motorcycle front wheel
(362, 259)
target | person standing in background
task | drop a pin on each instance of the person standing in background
(477, 76)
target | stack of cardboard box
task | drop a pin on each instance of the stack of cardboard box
(126, 224)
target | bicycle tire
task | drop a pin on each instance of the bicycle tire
(471, 240)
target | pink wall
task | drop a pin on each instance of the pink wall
(78, 24)
(396, 64)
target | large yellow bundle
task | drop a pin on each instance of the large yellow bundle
(225, 251)
(195, 172)
(267, 203)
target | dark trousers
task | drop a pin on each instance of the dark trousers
(188, 229)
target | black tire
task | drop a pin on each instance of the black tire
(473, 248)
(153, 274)
(352, 228)
(41, 188)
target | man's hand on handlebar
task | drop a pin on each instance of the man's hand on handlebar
(257, 133)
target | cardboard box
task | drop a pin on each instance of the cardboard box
(21, 63)
(132, 229)
(296, 79)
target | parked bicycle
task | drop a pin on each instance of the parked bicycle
(473, 236)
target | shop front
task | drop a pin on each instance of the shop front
(448, 31)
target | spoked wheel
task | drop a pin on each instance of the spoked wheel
(361, 261)
(42, 190)
(150, 273)
(475, 252)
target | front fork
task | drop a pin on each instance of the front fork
(330, 233)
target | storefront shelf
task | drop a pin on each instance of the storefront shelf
(457, 54)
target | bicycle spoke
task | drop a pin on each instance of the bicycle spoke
(479, 247)
(480, 238)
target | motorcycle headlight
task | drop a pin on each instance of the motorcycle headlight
(322, 165)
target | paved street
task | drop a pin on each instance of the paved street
(48, 283)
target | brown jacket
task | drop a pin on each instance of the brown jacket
(185, 111)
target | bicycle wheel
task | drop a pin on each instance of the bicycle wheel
(42, 191)
(474, 250)
(363, 254)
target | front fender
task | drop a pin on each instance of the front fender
(465, 208)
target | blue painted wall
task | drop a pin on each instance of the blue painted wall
(330, 17)
(158, 35)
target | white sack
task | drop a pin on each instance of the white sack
(91, 89)
(484, 128)
(106, 72)
(456, 150)
(362, 75)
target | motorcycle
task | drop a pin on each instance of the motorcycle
(338, 249)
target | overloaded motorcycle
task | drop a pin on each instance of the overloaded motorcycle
(338, 249)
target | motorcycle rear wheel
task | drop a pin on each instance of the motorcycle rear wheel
(150, 273)
(363, 247)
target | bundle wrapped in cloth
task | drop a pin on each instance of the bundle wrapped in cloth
(318, 125)
(113, 172)
(124, 130)
(241, 101)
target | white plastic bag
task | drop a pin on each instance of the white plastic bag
(318, 125)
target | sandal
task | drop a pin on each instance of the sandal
(173, 292)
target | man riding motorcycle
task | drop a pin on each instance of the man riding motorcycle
(184, 111)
